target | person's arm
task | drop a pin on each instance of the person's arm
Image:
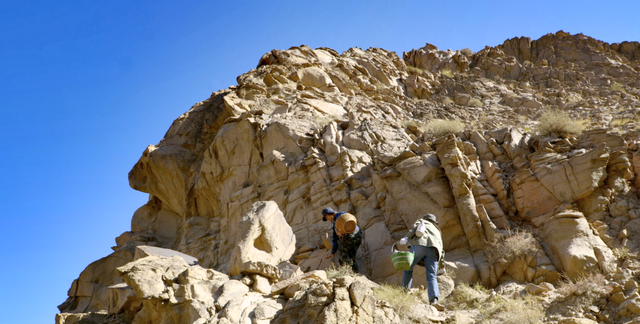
(334, 242)
(412, 231)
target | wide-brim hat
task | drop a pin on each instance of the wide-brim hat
(326, 211)
(431, 218)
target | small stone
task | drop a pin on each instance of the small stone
(618, 297)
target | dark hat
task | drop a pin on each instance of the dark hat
(326, 211)
(431, 218)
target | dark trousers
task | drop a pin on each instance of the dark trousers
(348, 246)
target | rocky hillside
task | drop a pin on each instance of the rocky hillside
(239, 180)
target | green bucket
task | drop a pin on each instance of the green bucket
(401, 260)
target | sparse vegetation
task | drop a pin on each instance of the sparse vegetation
(559, 123)
(399, 299)
(446, 101)
(414, 70)
(494, 308)
(442, 127)
(621, 253)
(510, 247)
(618, 87)
(466, 51)
(339, 271)
(593, 285)
(447, 72)
(466, 296)
(512, 311)
(321, 121)
(473, 102)
(620, 121)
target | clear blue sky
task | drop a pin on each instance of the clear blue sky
(85, 86)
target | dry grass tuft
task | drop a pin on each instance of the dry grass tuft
(467, 296)
(442, 127)
(527, 310)
(558, 122)
(510, 247)
(399, 299)
(414, 70)
(618, 87)
(340, 271)
(621, 253)
(591, 285)
(618, 122)
(492, 308)
(321, 121)
(466, 51)
(447, 72)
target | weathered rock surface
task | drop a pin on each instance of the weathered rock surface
(264, 240)
(239, 180)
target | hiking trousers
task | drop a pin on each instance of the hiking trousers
(430, 256)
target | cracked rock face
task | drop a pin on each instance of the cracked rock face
(312, 128)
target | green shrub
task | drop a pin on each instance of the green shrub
(559, 123)
(442, 127)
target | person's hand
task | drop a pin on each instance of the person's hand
(329, 256)
(403, 241)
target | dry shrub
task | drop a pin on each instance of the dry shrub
(447, 72)
(442, 127)
(527, 310)
(620, 121)
(621, 253)
(494, 308)
(473, 102)
(510, 247)
(446, 101)
(466, 51)
(323, 120)
(414, 70)
(466, 296)
(576, 295)
(400, 300)
(618, 87)
(590, 285)
(340, 271)
(559, 123)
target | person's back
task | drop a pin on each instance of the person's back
(431, 237)
(427, 248)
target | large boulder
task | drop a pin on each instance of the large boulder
(264, 241)
(90, 292)
(573, 247)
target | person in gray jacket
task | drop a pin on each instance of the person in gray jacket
(425, 240)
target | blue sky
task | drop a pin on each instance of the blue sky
(85, 86)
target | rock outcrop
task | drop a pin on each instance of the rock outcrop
(239, 180)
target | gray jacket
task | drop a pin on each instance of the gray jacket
(431, 237)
